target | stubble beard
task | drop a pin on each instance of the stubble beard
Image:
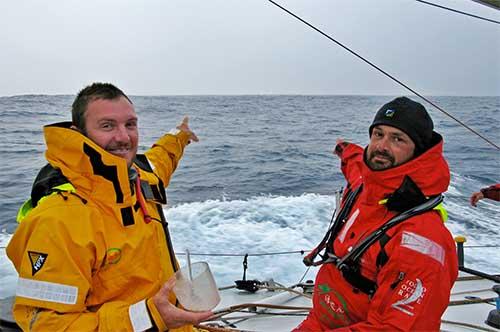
(388, 162)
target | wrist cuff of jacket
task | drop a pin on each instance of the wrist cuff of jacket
(339, 148)
(155, 315)
(489, 192)
(182, 136)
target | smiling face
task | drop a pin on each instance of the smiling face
(112, 124)
(389, 147)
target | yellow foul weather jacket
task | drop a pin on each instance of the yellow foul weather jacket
(87, 258)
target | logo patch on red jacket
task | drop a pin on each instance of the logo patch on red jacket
(410, 293)
(37, 260)
(335, 305)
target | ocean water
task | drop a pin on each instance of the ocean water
(262, 177)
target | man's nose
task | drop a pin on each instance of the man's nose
(383, 144)
(121, 134)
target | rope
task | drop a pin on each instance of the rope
(259, 305)
(286, 289)
(468, 325)
(226, 287)
(253, 314)
(471, 301)
(282, 252)
(386, 74)
(247, 315)
(465, 278)
(304, 275)
(216, 328)
(242, 255)
(472, 291)
(271, 306)
(458, 11)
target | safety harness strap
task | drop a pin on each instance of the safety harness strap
(349, 264)
(326, 243)
(382, 256)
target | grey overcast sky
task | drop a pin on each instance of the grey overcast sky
(167, 47)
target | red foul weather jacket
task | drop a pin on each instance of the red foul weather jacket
(413, 286)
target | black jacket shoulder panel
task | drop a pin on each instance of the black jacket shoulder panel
(48, 177)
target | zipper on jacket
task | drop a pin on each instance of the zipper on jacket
(388, 295)
(400, 278)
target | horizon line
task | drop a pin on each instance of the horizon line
(255, 94)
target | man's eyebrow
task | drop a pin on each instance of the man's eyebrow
(107, 120)
(114, 120)
(400, 135)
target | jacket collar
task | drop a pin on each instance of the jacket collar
(92, 170)
(429, 171)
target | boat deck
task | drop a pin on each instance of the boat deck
(471, 300)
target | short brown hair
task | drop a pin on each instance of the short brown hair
(90, 93)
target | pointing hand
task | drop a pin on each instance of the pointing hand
(183, 126)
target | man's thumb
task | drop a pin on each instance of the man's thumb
(168, 286)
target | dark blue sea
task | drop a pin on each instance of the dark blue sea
(263, 175)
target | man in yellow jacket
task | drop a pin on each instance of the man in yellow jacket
(92, 249)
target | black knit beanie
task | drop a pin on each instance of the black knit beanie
(410, 117)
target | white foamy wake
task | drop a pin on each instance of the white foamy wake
(263, 224)
(269, 224)
(480, 225)
(8, 275)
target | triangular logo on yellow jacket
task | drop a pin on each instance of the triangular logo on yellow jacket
(37, 260)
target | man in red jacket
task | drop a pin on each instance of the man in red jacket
(399, 278)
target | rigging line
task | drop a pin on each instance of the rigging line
(386, 74)
(473, 277)
(483, 246)
(489, 3)
(247, 315)
(266, 313)
(288, 289)
(284, 252)
(458, 11)
(209, 328)
(265, 306)
(477, 327)
(471, 301)
(472, 291)
(241, 255)
(304, 275)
